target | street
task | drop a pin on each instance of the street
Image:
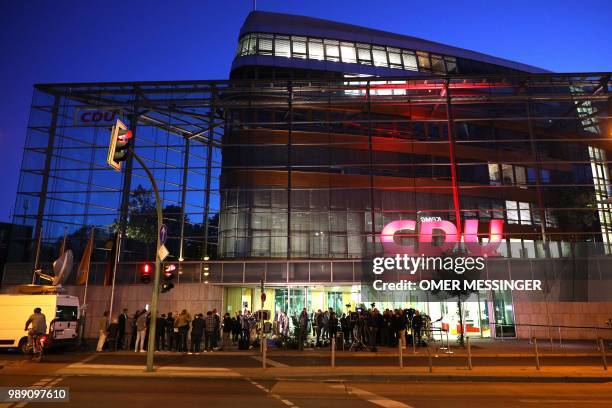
(178, 392)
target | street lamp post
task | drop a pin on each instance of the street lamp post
(156, 276)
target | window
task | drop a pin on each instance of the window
(525, 213)
(264, 44)
(332, 50)
(348, 53)
(315, 49)
(437, 64)
(520, 175)
(410, 61)
(299, 47)
(518, 212)
(494, 174)
(511, 212)
(424, 64)
(451, 65)
(253, 44)
(282, 46)
(380, 56)
(531, 175)
(507, 174)
(363, 54)
(395, 57)
(66, 313)
(241, 46)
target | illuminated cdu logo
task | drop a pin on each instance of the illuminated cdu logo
(440, 228)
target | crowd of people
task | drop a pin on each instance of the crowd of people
(364, 327)
(182, 332)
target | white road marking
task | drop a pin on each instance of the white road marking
(269, 362)
(88, 359)
(287, 402)
(377, 399)
(261, 387)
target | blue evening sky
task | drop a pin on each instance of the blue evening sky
(137, 40)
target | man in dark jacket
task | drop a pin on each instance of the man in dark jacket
(123, 318)
(197, 329)
(160, 332)
(169, 330)
(211, 329)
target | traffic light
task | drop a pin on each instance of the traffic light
(118, 145)
(145, 273)
(169, 275)
(205, 270)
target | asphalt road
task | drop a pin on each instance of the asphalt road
(185, 392)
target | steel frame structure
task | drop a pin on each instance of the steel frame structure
(182, 128)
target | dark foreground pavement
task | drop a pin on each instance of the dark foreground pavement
(105, 391)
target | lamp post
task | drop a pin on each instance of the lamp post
(156, 276)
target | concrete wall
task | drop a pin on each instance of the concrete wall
(195, 297)
(586, 314)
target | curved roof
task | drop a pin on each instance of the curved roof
(279, 23)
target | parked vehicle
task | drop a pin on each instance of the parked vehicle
(61, 313)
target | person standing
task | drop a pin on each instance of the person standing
(333, 325)
(303, 328)
(245, 330)
(283, 324)
(129, 332)
(227, 331)
(211, 329)
(217, 335)
(141, 331)
(197, 329)
(102, 329)
(123, 317)
(417, 326)
(182, 323)
(160, 332)
(318, 321)
(169, 330)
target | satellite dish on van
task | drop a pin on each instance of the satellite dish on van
(62, 267)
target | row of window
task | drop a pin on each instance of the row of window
(510, 174)
(342, 51)
(601, 181)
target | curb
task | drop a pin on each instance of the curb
(386, 378)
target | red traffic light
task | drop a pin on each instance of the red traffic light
(145, 273)
(125, 137)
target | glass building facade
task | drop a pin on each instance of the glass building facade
(270, 176)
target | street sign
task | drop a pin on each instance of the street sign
(163, 234)
(263, 297)
(163, 252)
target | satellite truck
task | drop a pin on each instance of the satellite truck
(61, 311)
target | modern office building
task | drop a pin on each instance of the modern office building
(326, 134)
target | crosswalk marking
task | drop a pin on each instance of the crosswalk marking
(377, 399)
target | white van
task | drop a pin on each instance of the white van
(61, 313)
